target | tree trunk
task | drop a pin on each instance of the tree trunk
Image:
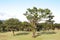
(13, 33)
(34, 33)
(33, 29)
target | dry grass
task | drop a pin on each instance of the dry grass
(28, 35)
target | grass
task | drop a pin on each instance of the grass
(28, 35)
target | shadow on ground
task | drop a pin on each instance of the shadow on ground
(48, 33)
(23, 33)
(41, 33)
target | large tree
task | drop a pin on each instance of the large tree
(35, 15)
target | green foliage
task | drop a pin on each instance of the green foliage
(49, 21)
(26, 26)
(35, 15)
(12, 23)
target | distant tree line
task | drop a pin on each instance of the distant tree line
(14, 24)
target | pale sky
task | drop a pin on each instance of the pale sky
(16, 8)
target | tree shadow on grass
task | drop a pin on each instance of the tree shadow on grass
(48, 33)
(22, 33)
(39, 34)
(3, 32)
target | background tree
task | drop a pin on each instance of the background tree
(12, 24)
(1, 25)
(26, 26)
(57, 25)
(49, 22)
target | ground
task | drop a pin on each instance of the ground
(47, 35)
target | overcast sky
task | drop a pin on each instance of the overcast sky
(16, 8)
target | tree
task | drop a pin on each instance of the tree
(26, 26)
(12, 24)
(1, 25)
(34, 16)
(50, 21)
(57, 25)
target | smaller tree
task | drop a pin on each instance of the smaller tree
(12, 24)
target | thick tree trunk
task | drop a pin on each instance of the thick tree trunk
(34, 33)
(33, 29)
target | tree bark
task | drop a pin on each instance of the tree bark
(33, 29)
(34, 33)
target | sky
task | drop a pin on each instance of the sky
(16, 8)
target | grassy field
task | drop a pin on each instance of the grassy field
(28, 35)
